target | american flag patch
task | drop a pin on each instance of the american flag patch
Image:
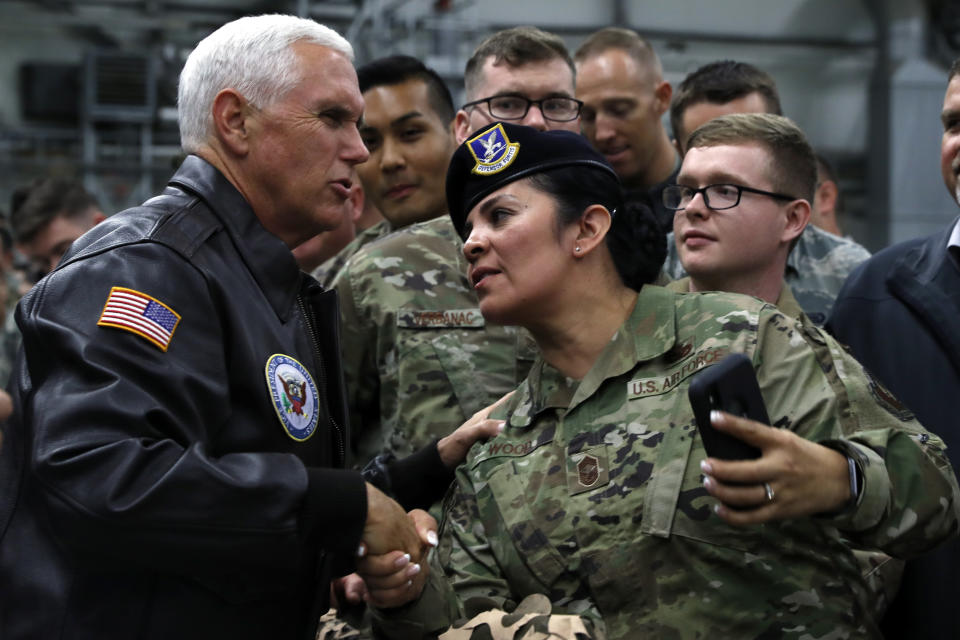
(140, 314)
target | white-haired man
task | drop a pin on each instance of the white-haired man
(171, 470)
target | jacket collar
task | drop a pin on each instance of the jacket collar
(269, 260)
(649, 332)
(924, 279)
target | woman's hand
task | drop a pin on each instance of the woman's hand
(793, 478)
(393, 579)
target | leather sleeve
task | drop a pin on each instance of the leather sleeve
(125, 438)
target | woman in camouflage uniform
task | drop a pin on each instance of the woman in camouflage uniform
(598, 493)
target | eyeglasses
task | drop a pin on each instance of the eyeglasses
(715, 196)
(558, 109)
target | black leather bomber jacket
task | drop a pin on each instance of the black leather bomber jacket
(186, 492)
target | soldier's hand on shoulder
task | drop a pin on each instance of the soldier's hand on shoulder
(453, 449)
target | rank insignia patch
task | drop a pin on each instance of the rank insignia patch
(587, 469)
(294, 396)
(141, 314)
(493, 151)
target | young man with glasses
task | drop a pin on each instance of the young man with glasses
(521, 75)
(620, 80)
(742, 199)
(819, 261)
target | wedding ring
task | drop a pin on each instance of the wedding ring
(769, 490)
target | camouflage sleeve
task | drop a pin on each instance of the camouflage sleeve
(909, 497)
(358, 336)
(466, 581)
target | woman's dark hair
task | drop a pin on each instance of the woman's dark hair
(636, 240)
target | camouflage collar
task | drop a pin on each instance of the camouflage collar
(648, 333)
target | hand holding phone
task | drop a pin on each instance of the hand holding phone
(731, 386)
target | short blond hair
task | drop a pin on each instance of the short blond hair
(793, 166)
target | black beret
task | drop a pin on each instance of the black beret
(500, 153)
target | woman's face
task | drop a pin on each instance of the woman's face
(517, 261)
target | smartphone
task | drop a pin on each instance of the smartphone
(731, 386)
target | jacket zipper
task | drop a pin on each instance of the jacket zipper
(322, 386)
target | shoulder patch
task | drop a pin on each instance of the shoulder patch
(493, 151)
(886, 399)
(294, 396)
(139, 313)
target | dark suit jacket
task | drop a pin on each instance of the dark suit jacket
(899, 313)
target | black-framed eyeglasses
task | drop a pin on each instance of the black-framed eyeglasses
(512, 107)
(715, 196)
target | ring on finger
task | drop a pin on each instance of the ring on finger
(769, 490)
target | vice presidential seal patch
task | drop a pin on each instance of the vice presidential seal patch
(493, 151)
(294, 395)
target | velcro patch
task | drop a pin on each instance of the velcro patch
(443, 319)
(642, 387)
(141, 314)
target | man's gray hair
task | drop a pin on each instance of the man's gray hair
(252, 55)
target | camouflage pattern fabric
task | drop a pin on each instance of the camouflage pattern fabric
(816, 268)
(593, 493)
(10, 340)
(531, 620)
(333, 628)
(880, 572)
(418, 356)
(325, 273)
(786, 302)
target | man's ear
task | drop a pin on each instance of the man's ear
(797, 217)
(663, 92)
(592, 229)
(827, 193)
(461, 126)
(231, 124)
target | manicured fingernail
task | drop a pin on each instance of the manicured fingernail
(402, 560)
(715, 416)
(432, 538)
(718, 509)
(708, 482)
(705, 467)
(409, 583)
(361, 550)
(413, 570)
(501, 426)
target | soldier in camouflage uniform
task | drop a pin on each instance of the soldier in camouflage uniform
(418, 355)
(598, 494)
(820, 261)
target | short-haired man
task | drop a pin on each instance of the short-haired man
(742, 198)
(828, 200)
(55, 212)
(521, 75)
(409, 149)
(419, 358)
(899, 312)
(620, 80)
(170, 471)
(819, 261)
(51, 214)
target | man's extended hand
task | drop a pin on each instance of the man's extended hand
(394, 579)
(388, 527)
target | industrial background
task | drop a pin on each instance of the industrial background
(88, 87)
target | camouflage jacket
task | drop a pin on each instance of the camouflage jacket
(327, 272)
(418, 356)
(816, 269)
(786, 301)
(593, 493)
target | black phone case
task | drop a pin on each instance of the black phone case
(731, 386)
